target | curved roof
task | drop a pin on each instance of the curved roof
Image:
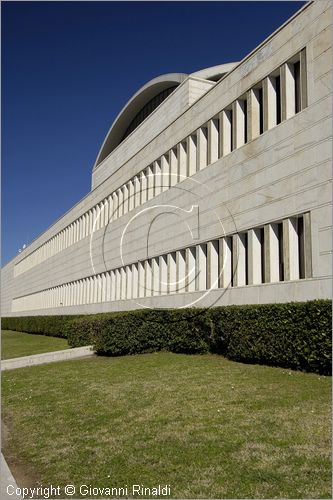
(146, 99)
(143, 96)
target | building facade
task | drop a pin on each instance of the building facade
(212, 188)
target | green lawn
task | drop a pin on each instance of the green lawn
(17, 344)
(208, 427)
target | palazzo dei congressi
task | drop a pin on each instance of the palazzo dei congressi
(211, 188)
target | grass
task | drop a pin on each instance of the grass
(208, 427)
(17, 344)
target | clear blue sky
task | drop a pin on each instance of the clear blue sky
(69, 67)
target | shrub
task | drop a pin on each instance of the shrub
(84, 330)
(54, 326)
(293, 335)
(135, 332)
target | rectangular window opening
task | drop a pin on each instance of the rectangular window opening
(246, 248)
(278, 99)
(261, 111)
(297, 79)
(245, 121)
(231, 130)
(301, 246)
(217, 124)
(281, 260)
(262, 253)
(230, 245)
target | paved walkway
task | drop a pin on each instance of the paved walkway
(47, 357)
(6, 478)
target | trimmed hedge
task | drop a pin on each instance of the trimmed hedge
(294, 335)
(52, 326)
(133, 332)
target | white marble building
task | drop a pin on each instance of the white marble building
(212, 188)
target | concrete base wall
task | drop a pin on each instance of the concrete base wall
(256, 294)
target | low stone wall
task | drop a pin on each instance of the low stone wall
(47, 357)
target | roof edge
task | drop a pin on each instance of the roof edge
(133, 105)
